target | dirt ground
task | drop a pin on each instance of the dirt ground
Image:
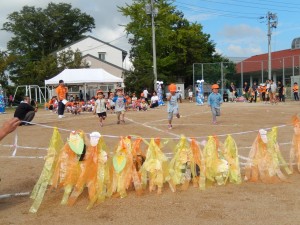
(247, 203)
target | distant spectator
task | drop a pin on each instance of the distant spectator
(190, 93)
(145, 95)
(225, 96)
(80, 95)
(10, 100)
(154, 100)
(295, 91)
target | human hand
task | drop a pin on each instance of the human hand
(10, 125)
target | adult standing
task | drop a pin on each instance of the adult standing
(61, 91)
(80, 95)
(295, 91)
(25, 111)
(145, 93)
(179, 92)
(272, 92)
(281, 93)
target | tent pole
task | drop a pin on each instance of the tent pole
(85, 91)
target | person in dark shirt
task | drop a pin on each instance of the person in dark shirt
(225, 96)
(254, 89)
(246, 91)
(25, 111)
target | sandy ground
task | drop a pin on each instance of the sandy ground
(248, 203)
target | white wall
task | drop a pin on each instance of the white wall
(92, 46)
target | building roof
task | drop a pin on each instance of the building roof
(124, 53)
(280, 59)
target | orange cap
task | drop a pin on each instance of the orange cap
(215, 86)
(172, 87)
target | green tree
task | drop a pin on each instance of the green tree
(5, 60)
(71, 60)
(179, 44)
(39, 32)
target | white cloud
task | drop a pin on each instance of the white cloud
(241, 40)
(200, 17)
(241, 31)
(106, 15)
(246, 50)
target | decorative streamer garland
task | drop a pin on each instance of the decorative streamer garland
(219, 173)
(130, 168)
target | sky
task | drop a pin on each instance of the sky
(237, 27)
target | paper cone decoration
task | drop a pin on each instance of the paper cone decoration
(119, 162)
(76, 143)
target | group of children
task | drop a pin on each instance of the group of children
(120, 104)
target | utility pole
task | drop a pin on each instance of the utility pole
(151, 10)
(272, 23)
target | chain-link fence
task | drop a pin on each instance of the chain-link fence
(284, 69)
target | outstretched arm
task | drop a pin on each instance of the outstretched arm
(8, 127)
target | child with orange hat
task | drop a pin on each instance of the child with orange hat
(214, 101)
(172, 99)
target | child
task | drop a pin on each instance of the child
(120, 101)
(190, 95)
(100, 107)
(128, 102)
(133, 100)
(76, 108)
(110, 104)
(172, 104)
(214, 101)
(143, 105)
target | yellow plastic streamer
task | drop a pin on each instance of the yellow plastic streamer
(183, 166)
(216, 166)
(155, 167)
(40, 187)
(231, 155)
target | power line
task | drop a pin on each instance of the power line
(281, 4)
(194, 7)
(253, 5)
(216, 12)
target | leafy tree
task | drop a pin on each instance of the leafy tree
(5, 60)
(39, 32)
(179, 44)
(71, 60)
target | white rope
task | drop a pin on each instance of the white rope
(14, 195)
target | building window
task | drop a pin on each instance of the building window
(102, 55)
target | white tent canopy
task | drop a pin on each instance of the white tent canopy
(84, 76)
